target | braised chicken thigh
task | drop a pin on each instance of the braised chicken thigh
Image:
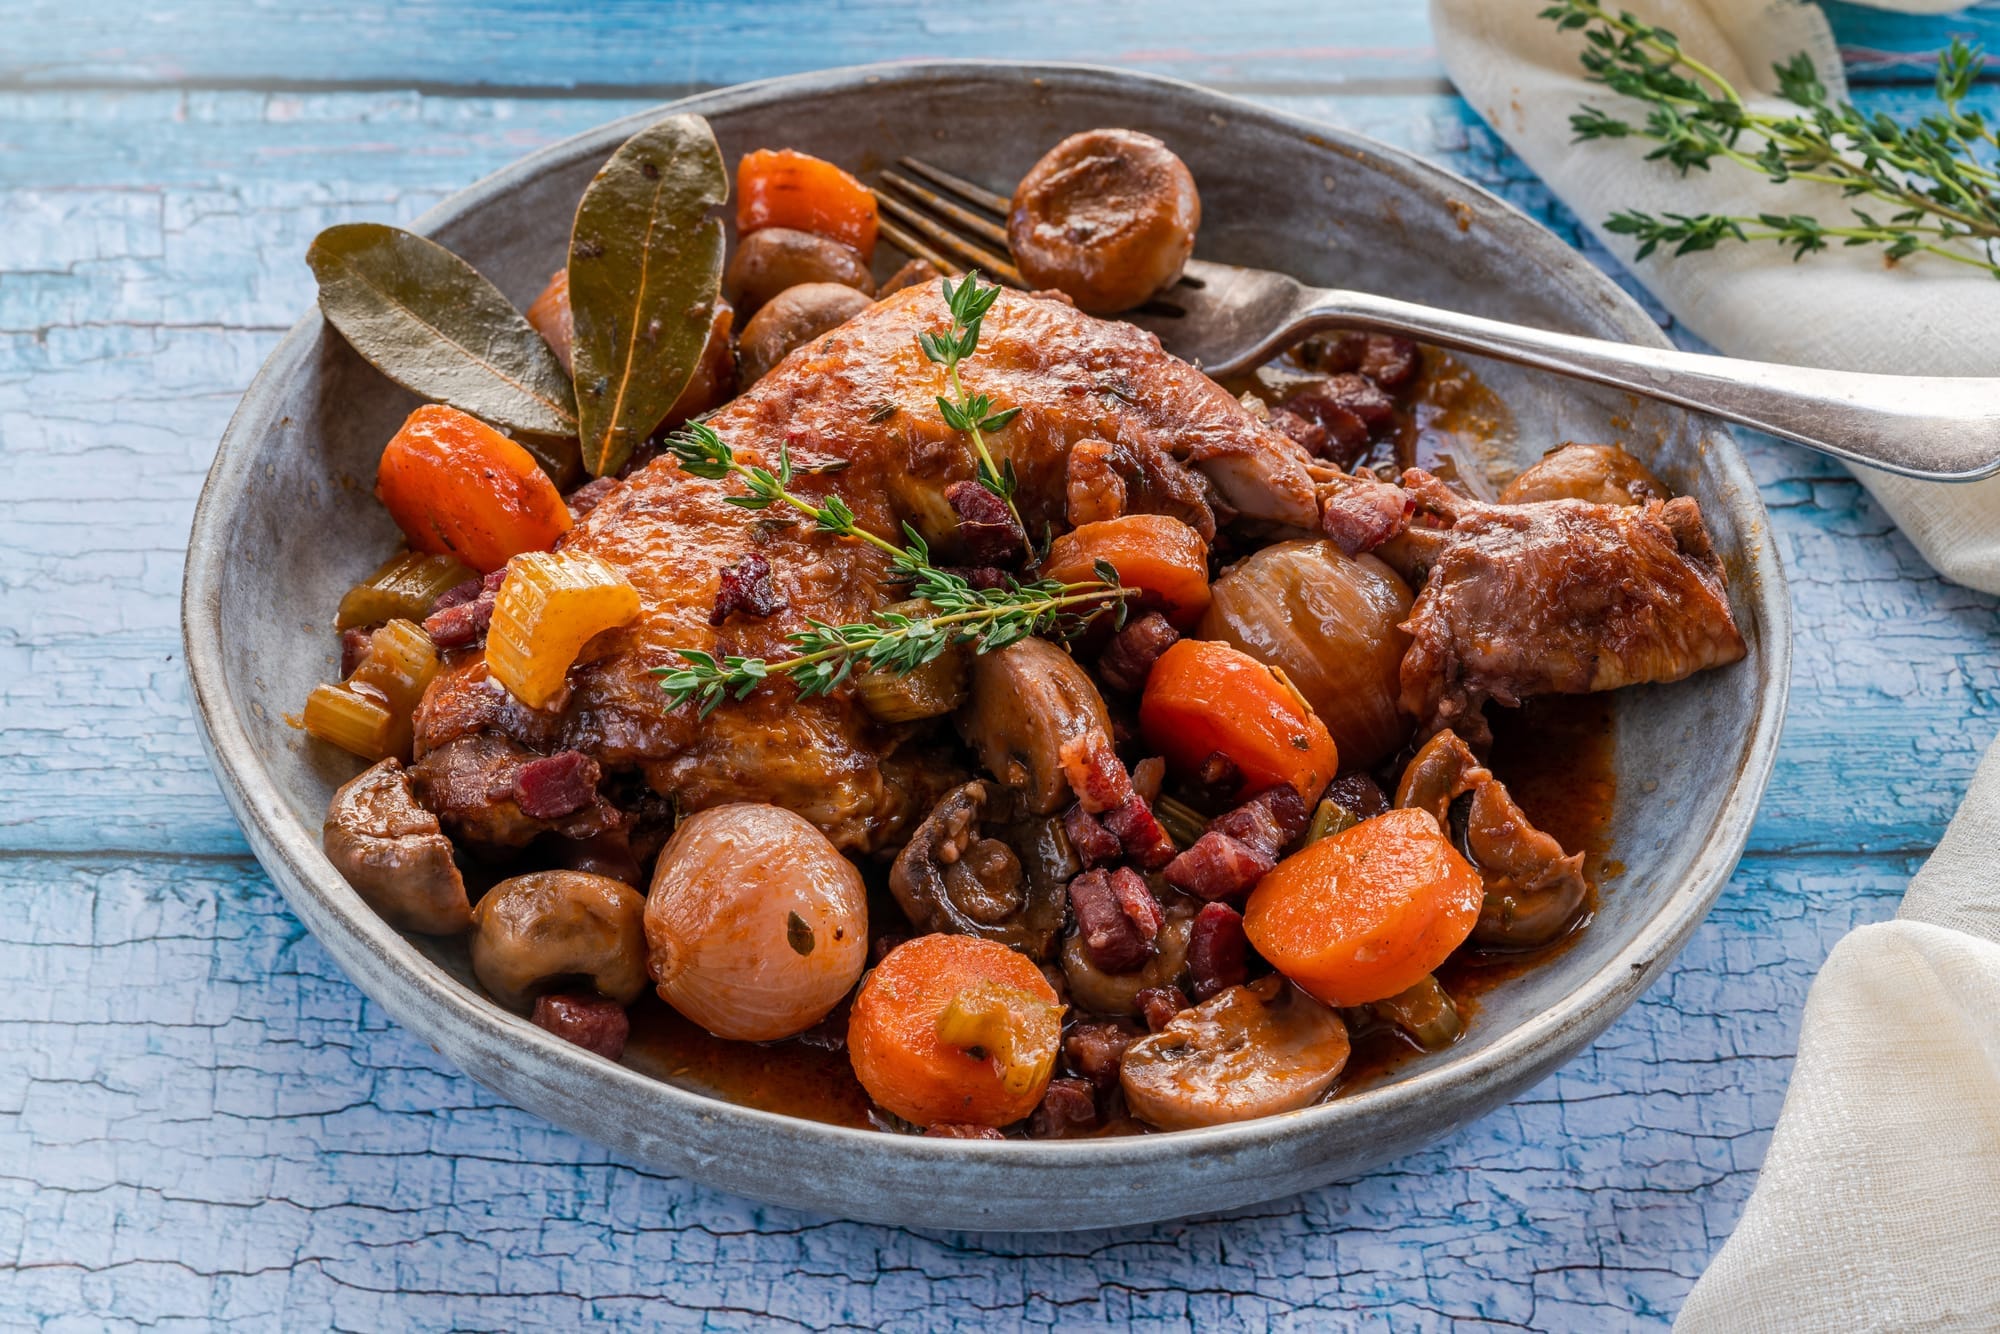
(1554, 597)
(856, 412)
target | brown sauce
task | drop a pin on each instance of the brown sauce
(796, 1077)
(1554, 754)
(1454, 427)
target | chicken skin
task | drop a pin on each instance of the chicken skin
(857, 411)
(1554, 597)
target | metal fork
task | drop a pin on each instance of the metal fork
(1228, 319)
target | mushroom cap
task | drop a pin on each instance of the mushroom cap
(546, 931)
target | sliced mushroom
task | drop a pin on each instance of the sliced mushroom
(1600, 474)
(1028, 699)
(965, 874)
(1107, 217)
(395, 854)
(790, 320)
(555, 930)
(1254, 1050)
(1533, 890)
(1095, 991)
(773, 259)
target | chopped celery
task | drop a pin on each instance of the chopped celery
(1330, 818)
(1425, 1013)
(405, 587)
(356, 722)
(1183, 823)
(550, 606)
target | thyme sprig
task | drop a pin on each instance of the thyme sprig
(1930, 187)
(897, 642)
(974, 415)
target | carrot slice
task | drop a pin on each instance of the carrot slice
(1366, 913)
(1204, 697)
(456, 486)
(784, 188)
(1163, 556)
(955, 1028)
(551, 317)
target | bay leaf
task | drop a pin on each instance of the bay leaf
(645, 271)
(430, 322)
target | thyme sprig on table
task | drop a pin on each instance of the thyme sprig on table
(1930, 187)
(889, 641)
(974, 415)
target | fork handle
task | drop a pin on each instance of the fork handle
(1931, 427)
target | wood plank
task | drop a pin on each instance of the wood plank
(1881, 46)
(209, 1123)
(441, 45)
(614, 48)
(131, 318)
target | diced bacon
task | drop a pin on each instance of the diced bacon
(594, 1023)
(1219, 866)
(1364, 514)
(1093, 844)
(1218, 951)
(987, 532)
(1095, 773)
(1144, 841)
(1128, 659)
(557, 785)
(1069, 1107)
(1118, 917)
(746, 588)
(1159, 1005)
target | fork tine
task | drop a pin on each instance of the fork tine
(958, 185)
(912, 247)
(947, 209)
(949, 241)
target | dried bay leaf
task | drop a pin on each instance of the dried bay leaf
(430, 322)
(645, 270)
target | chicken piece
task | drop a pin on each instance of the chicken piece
(857, 408)
(1554, 597)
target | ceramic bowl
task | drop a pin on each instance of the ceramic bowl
(286, 523)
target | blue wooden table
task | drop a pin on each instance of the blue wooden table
(202, 1122)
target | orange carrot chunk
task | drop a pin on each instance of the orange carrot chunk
(457, 487)
(1162, 556)
(1367, 913)
(957, 1029)
(783, 188)
(1204, 697)
(551, 317)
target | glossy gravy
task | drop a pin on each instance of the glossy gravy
(1554, 754)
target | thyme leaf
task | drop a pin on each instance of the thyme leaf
(824, 656)
(1928, 187)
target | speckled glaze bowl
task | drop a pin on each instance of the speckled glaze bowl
(287, 523)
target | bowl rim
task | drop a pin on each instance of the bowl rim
(290, 851)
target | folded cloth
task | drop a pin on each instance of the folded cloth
(1878, 1206)
(1841, 309)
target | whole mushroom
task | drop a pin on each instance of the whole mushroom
(550, 931)
(395, 854)
(1252, 1050)
(1107, 217)
(1027, 701)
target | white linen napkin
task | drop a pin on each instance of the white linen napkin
(1841, 309)
(1878, 1206)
